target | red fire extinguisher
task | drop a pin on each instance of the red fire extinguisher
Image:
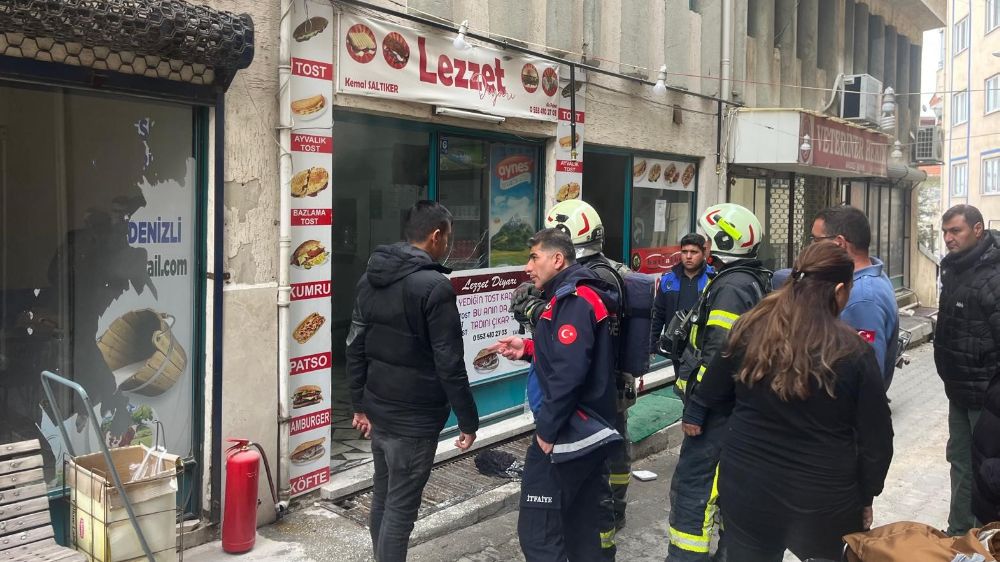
(239, 520)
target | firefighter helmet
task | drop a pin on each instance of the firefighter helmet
(581, 222)
(734, 231)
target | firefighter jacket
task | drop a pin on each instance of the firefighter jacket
(727, 296)
(572, 352)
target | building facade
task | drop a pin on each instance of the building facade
(970, 78)
(256, 200)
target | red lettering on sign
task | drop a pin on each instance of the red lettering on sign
(309, 481)
(575, 166)
(310, 363)
(566, 115)
(312, 69)
(309, 422)
(312, 290)
(312, 217)
(514, 166)
(312, 143)
(460, 73)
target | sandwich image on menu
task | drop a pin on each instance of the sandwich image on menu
(306, 395)
(309, 451)
(310, 254)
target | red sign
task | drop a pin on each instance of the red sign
(312, 143)
(310, 480)
(310, 363)
(569, 166)
(843, 147)
(655, 260)
(309, 422)
(488, 283)
(311, 290)
(566, 115)
(312, 69)
(312, 217)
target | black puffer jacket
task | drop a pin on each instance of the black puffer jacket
(967, 337)
(986, 458)
(405, 355)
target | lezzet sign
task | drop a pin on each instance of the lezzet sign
(381, 59)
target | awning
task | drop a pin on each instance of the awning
(806, 142)
(164, 39)
(906, 173)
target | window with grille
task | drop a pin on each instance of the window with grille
(960, 179)
(960, 107)
(991, 175)
(993, 93)
(924, 148)
(960, 36)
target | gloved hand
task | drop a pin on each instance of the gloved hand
(527, 304)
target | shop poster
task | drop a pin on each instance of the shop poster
(309, 337)
(386, 60)
(569, 157)
(674, 175)
(484, 307)
(513, 173)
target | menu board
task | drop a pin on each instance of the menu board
(484, 307)
(309, 384)
(569, 157)
(513, 203)
(655, 260)
(664, 174)
(386, 60)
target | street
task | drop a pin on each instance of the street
(916, 489)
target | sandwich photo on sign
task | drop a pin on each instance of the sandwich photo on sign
(309, 108)
(309, 29)
(308, 183)
(308, 451)
(307, 395)
(310, 254)
(486, 361)
(308, 327)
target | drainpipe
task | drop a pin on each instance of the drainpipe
(725, 76)
(284, 241)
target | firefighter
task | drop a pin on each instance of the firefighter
(581, 222)
(572, 353)
(740, 283)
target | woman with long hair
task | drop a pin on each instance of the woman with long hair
(810, 435)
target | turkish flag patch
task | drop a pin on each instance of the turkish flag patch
(566, 334)
(867, 335)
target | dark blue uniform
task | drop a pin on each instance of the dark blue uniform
(561, 514)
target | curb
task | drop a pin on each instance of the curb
(504, 499)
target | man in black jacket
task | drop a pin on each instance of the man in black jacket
(680, 287)
(966, 342)
(406, 365)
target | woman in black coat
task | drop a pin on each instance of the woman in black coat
(810, 437)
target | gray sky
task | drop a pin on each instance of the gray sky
(931, 55)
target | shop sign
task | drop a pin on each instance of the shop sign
(655, 260)
(569, 157)
(484, 307)
(382, 59)
(674, 175)
(513, 203)
(843, 147)
(309, 337)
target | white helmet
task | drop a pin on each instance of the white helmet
(581, 222)
(734, 231)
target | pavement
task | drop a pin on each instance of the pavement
(916, 489)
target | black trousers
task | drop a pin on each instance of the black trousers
(402, 467)
(562, 516)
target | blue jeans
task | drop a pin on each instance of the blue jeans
(402, 467)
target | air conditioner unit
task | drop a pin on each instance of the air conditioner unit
(860, 100)
(928, 146)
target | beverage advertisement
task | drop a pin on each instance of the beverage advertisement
(309, 345)
(664, 174)
(569, 154)
(484, 307)
(385, 60)
(513, 176)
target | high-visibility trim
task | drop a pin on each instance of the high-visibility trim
(620, 478)
(700, 543)
(583, 443)
(701, 372)
(608, 539)
(722, 319)
(694, 336)
(681, 384)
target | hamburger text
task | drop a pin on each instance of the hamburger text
(309, 422)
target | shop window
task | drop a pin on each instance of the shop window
(604, 177)
(98, 246)
(660, 218)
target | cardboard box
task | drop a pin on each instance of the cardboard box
(101, 528)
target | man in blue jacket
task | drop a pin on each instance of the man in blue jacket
(566, 477)
(872, 309)
(680, 287)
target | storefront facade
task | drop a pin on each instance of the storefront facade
(105, 176)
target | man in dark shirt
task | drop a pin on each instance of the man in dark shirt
(680, 287)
